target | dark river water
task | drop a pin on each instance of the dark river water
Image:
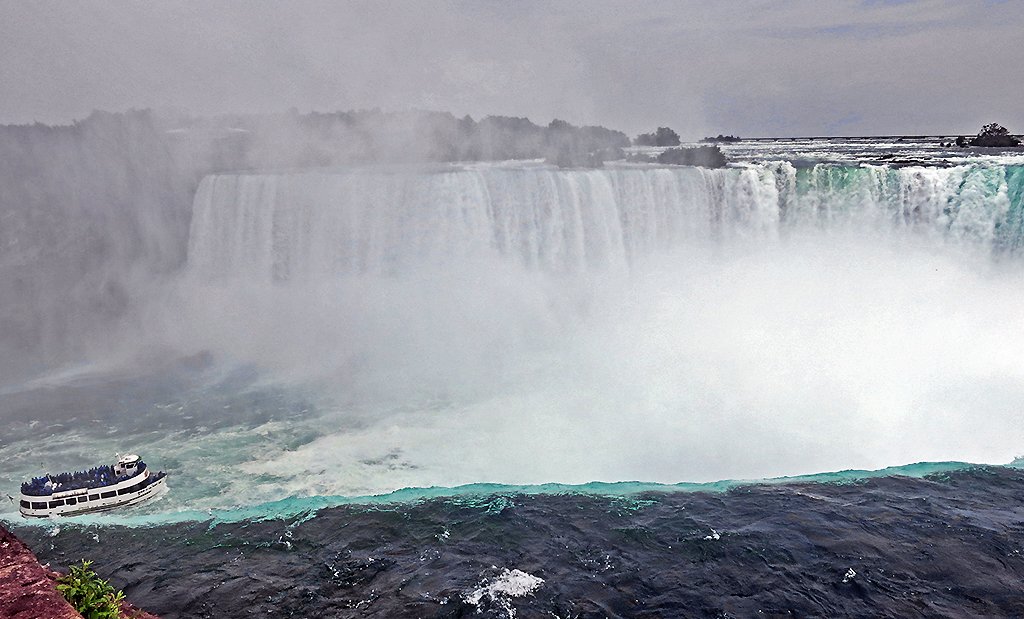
(946, 545)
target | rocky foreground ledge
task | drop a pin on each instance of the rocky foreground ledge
(28, 589)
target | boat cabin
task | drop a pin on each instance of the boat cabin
(127, 465)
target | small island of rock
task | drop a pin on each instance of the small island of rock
(992, 135)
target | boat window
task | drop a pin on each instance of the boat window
(94, 497)
(24, 504)
(72, 501)
(56, 504)
(107, 495)
(128, 490)
(38, 505)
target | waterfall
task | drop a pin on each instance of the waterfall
(300, 225)
(99, 270)
(310, 224)
(517, 322)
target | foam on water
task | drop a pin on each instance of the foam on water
(498, 591)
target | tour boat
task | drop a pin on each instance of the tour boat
(105, 487)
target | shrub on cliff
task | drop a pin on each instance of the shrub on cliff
(89, 594)
(994, 135)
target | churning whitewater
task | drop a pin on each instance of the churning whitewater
(359, 330)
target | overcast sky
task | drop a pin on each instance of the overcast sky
(705, 67)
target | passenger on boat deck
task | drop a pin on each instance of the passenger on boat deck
(98, 476)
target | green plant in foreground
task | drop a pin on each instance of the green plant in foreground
(91, 596)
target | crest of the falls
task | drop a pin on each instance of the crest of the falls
(287, 226)
(310, 224)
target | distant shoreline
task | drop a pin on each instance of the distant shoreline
(853, 137)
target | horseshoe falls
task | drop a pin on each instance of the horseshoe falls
(356, 331)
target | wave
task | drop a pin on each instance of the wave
(484, 496)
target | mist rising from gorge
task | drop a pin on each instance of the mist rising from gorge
(633, 321)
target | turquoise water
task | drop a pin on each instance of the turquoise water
(488, 497)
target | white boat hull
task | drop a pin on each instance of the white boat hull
(127, 492)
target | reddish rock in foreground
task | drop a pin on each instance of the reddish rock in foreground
(28, 590)
(129, 611)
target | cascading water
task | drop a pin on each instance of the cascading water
(281, 227)
(522, 324)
